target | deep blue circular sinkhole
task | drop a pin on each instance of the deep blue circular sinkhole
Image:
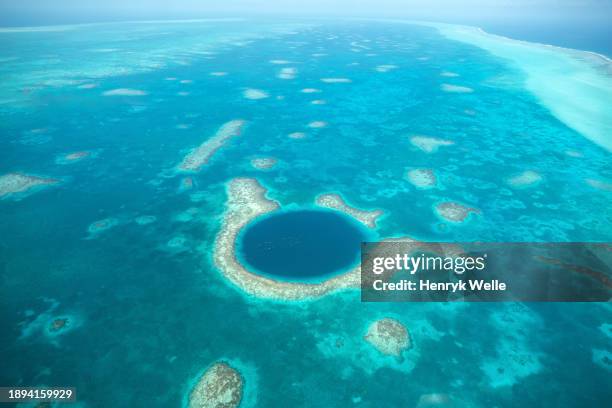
(301, 245)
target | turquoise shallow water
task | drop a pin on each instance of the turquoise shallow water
(149, 311)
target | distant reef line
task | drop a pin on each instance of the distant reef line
(572, 84)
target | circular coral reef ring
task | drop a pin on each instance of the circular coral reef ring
(247, 201)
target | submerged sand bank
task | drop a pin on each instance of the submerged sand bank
(199, 156)
(220, 386)
(574, 85)
(18, 183)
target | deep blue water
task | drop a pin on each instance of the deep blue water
(300, 245)
(579, 34)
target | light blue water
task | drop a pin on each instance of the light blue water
(150, 311)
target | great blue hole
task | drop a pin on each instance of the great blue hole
(302, 245)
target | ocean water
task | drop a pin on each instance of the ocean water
(299, 245)
(149, 311)
(587, 34)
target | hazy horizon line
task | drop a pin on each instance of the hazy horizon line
(229, 17)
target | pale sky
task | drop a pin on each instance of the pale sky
(439, 10)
